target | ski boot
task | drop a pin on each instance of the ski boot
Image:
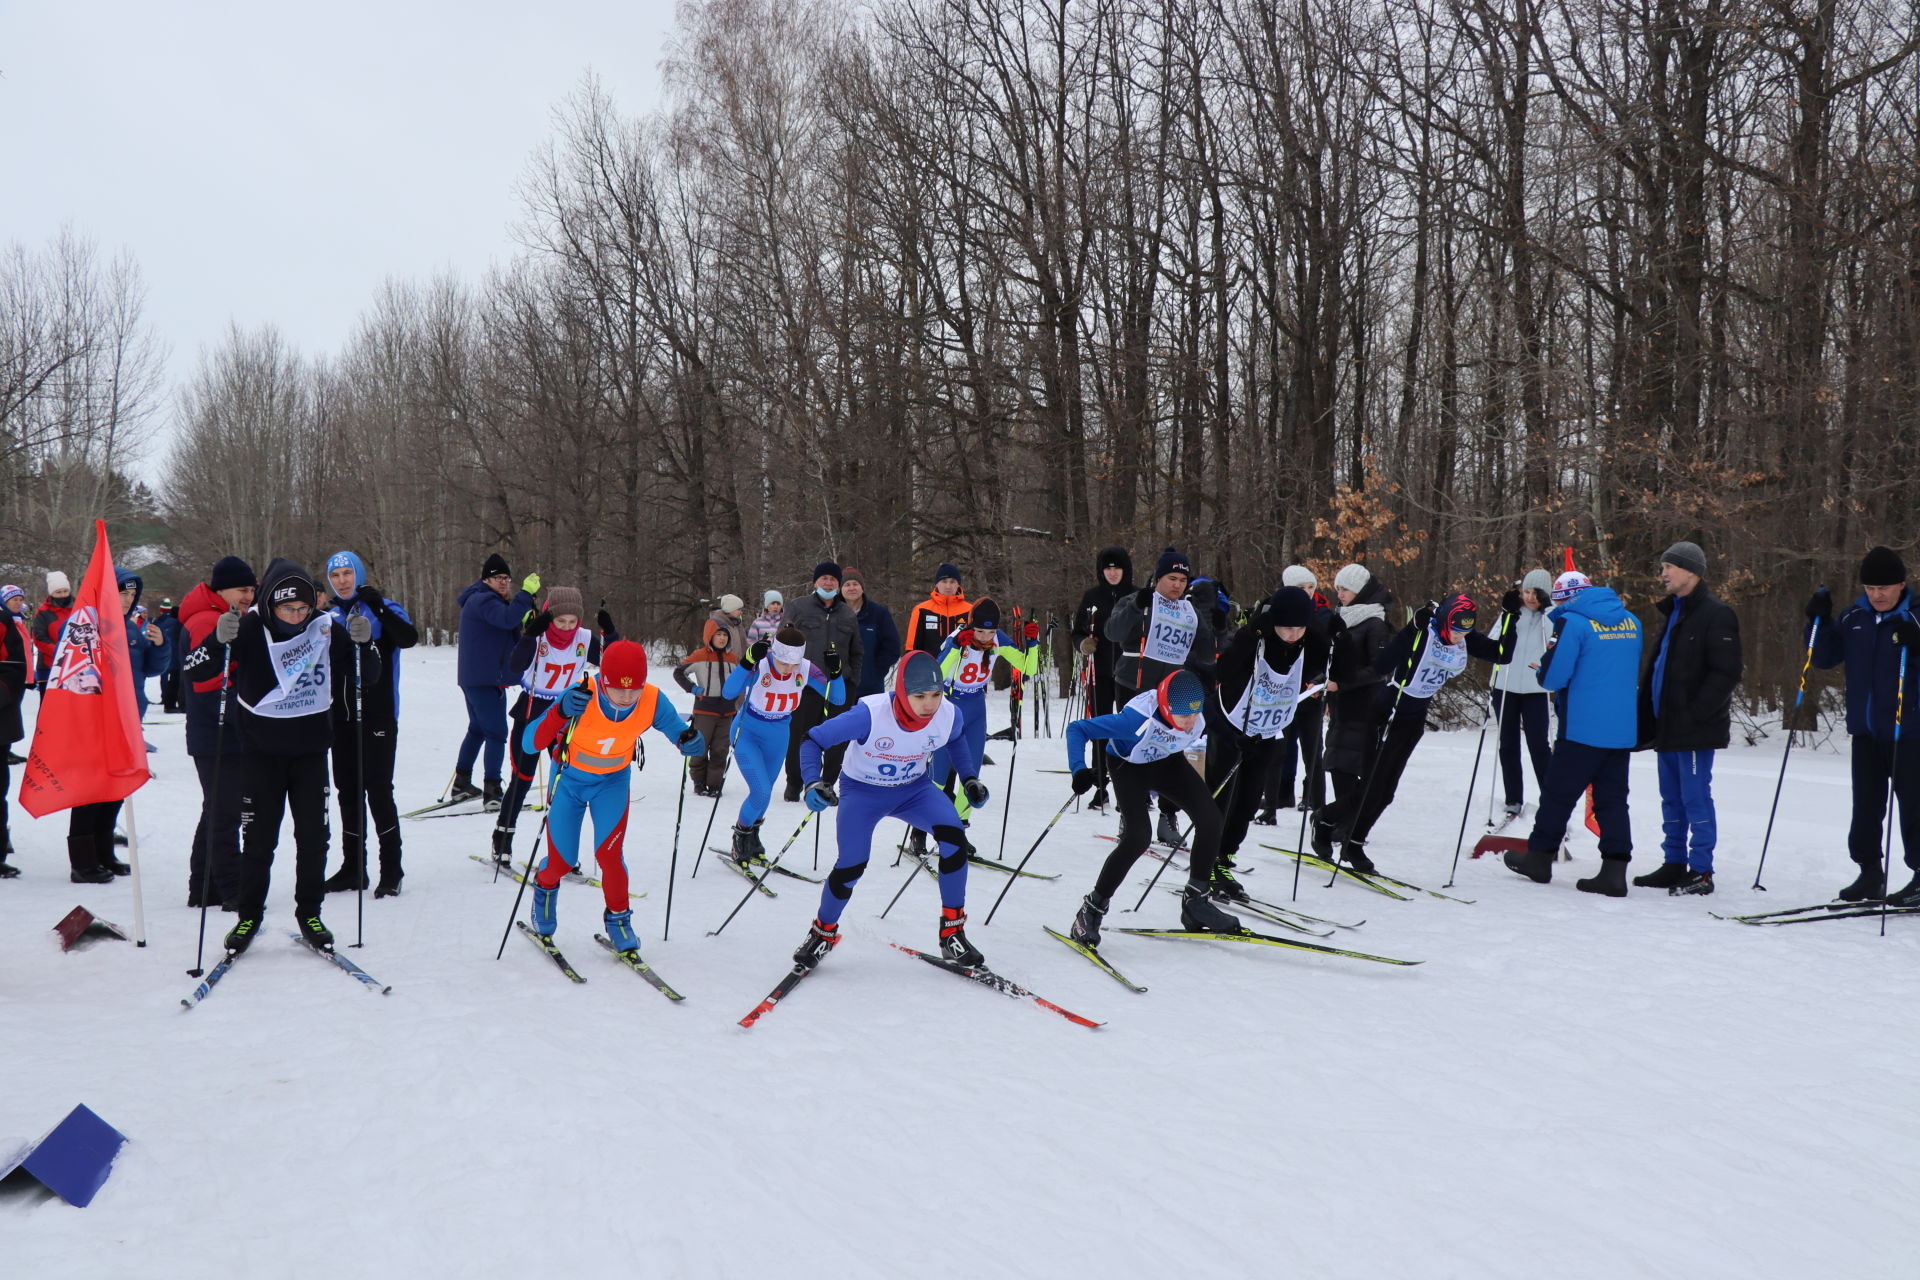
(240, 937)
(1167, 832)
(116, 867)
(503, 846)
(1514, 810)
(1537, 867)
(953, 939)
(1086, 922)
(1869, 886)
(744, 852)
(821, 938)
(1667, 876)
(1199, 915)
(545, 915)
(1354, 854)
(1322, 840)
(917, 844)
(1101, 800)
(1267, 817)
(490, 796)
(620, 932)
(463, 788)
(1225, 887)
(1698, 883)
(315, 933)
(389, 886)
(1611, 880)
(345, 880)
(1907, 897)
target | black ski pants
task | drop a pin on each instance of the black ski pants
(526, 709)
(1299, 753)
(1521, 713)
(812, 710)
(1359, 805)
(1575, 767)
(710, 769)
(90, 834)
(1133, 788)
(1247, 792)
(1873, 770)
(275, 786)
(380, 741)
(217, 835)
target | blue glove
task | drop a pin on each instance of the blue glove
(976, 791)
(574, 701)
(819, 797)
(690, 743)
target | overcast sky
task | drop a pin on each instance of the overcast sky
(267, 162)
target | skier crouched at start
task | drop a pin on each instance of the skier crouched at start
(1146, 742)
(891, 737)
(599, 730)
(773, 677)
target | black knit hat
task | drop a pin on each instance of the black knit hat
(946, 571)
(229, 572)
(1171, 561)
(1882, 568)
(1289, 607)
(496, 563)
(985, 612)
(827, 569)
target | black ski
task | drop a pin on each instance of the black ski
(346, 966)
(1262, 939)
(988, 978)
(759, 882)
(1858, 912)
(1252, 908)
(639, 966)
(1301, 915)
(212, 980)
(546, 944)
(1814, 910)
(759, 864)
(1099, 960)
(978, 861)
(779, 993)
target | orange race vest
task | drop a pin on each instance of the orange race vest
(597, 744)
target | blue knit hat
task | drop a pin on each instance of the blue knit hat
(1181, 694)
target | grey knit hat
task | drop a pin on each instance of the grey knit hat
(1688, 556)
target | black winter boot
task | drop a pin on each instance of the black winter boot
(389, 886)
(490, 796)
(1199, 915)
(1086, 922)
(1225, 887)
(1167, 832)
(1667, 876)
(1868, 886)
(503, 846)
(240, 937)
(821, 938)
(1611, 879)
(346, 880)
(743, 845)
(1101, 800)
(1354, 854)
(1537, 867)
(1322, 840)
(83, 855)
(313, 932)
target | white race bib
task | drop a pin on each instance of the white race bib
(1266, 706)
(1171, 628)
(555, 670)
(773, 696)
(303, 672)
(892, 756)
(973, 673)
(1438, 664)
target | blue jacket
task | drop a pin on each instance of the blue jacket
(148, 659)
(1597, 663)
(879, 646)
(489, 626)
(1863, 640)
(175, 638)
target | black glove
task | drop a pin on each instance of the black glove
(370, 597)
(757, 652)
(603, 620)
(538, 622)
(976, 791)
(832, 665)
(1906, 631)
(1424, 618)
(1510, 602)
(1083, 781)
(1820, 606)
(1142, 598)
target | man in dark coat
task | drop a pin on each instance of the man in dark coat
(490, 617)
(1113, 582)
(834, 646)
(1876, 638)
(1689, 668)
(879, 635)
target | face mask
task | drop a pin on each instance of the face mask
(826, 593)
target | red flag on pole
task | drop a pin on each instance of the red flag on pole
(87, 747)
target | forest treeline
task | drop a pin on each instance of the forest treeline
(1440, 285)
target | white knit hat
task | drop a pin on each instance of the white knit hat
(1298, 575)
(729, 603)
(57, 584)
(1352, 577)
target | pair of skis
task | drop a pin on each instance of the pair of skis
(219, 971)
(973, 973)
(631, 959)
(1106, 966)
(1836, 910)
(1374, 880)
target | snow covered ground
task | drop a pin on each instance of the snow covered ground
(1568, 1087)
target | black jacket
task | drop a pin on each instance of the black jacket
(1096, 606)
(1356, 708)
(13, 681)
(1703, 668)
(1236, 666)
(1127, 628)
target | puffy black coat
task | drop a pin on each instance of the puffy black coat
(1356, 708)
(1703, 669)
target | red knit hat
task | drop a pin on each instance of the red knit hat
(623, 665)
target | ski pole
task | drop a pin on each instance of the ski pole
(764, 874)
(1373, 772)
(1184, 837)
(1499, 705)
(360, 809)
(919, 864)
(1466, 810)
(673, 858)
(525, 880)
(1058, 813)
(213, 816)
(1013, 758)
(1781, 781)
(702, 851)
(1893, 788)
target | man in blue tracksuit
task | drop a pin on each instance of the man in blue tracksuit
(1595, 661)
(1873, 638)
(490, 618)
(890, 739)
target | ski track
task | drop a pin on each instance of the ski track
(1569, 1087)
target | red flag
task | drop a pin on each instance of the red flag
(87, 746)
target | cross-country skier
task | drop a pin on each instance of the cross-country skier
(555, 652)
(772, 680)
(891, 739)
(966, 664)
(1113, 569)
(284, 651)
(229, 588)
(378, 731)
(1300, 745)
(1417, 663)
(491, 614)
(597, 726)
(1147, 739)
(1870, 638)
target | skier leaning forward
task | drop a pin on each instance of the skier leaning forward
(599, 730)
(890, 738)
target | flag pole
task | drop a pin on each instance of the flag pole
(133, 859)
